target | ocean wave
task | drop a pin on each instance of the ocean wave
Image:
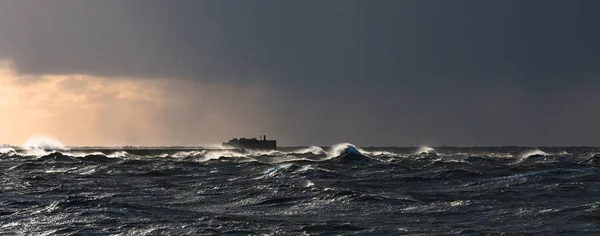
(344, 152)
(534, 153)
(592, 159)
(307, 168)
(347, 152)
(341, 149)
(309, 150)
(425, 150)
(6, 150)
(555, 173)
(298, 191)
(43, 143)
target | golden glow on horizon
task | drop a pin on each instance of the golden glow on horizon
(70, 106)
(91, 110)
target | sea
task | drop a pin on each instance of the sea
(337, 190)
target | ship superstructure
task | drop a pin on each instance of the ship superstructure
(252, 143)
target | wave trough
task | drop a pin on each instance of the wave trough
(341, 189)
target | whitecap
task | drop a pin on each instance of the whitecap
(210, 155)
(425, 150)
(40, 142)
(535, 152)
(59, 170)
(342, 148)
(119, 154)
(6, 150)
(185, 154)
(85, 170)
(312, 150)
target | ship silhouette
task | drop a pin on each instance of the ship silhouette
(252, 143)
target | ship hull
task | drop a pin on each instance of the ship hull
(251, 144)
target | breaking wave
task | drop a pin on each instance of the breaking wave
(534, 153)
(5, 150)
(425, 150)
(43, 143)
(311, 150)
(343, 189)
(343, 148)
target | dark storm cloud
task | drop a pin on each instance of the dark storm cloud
(384, 72)
(309, 40)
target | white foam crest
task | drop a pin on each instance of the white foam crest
(10, 225)
(44, 143)
(119, 154)
(85, 170)
(285, 166)
(162, 155)
(498, 155)
(218, 154)
(306, 168)
(189, 154)
(59, 170)
(312, 149)
(339, 149)
(81, 154)
(534, 153)
(6, 150)
(288, 158)
(425, 150)
(37, 152)
(265, 152)
(274, 170)
(382, 153)
(531, 153)
(211, 155)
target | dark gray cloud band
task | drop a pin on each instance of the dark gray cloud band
(303, 40)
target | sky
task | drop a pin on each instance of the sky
(371, 73)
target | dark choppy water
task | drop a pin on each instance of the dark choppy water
(299, 191)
